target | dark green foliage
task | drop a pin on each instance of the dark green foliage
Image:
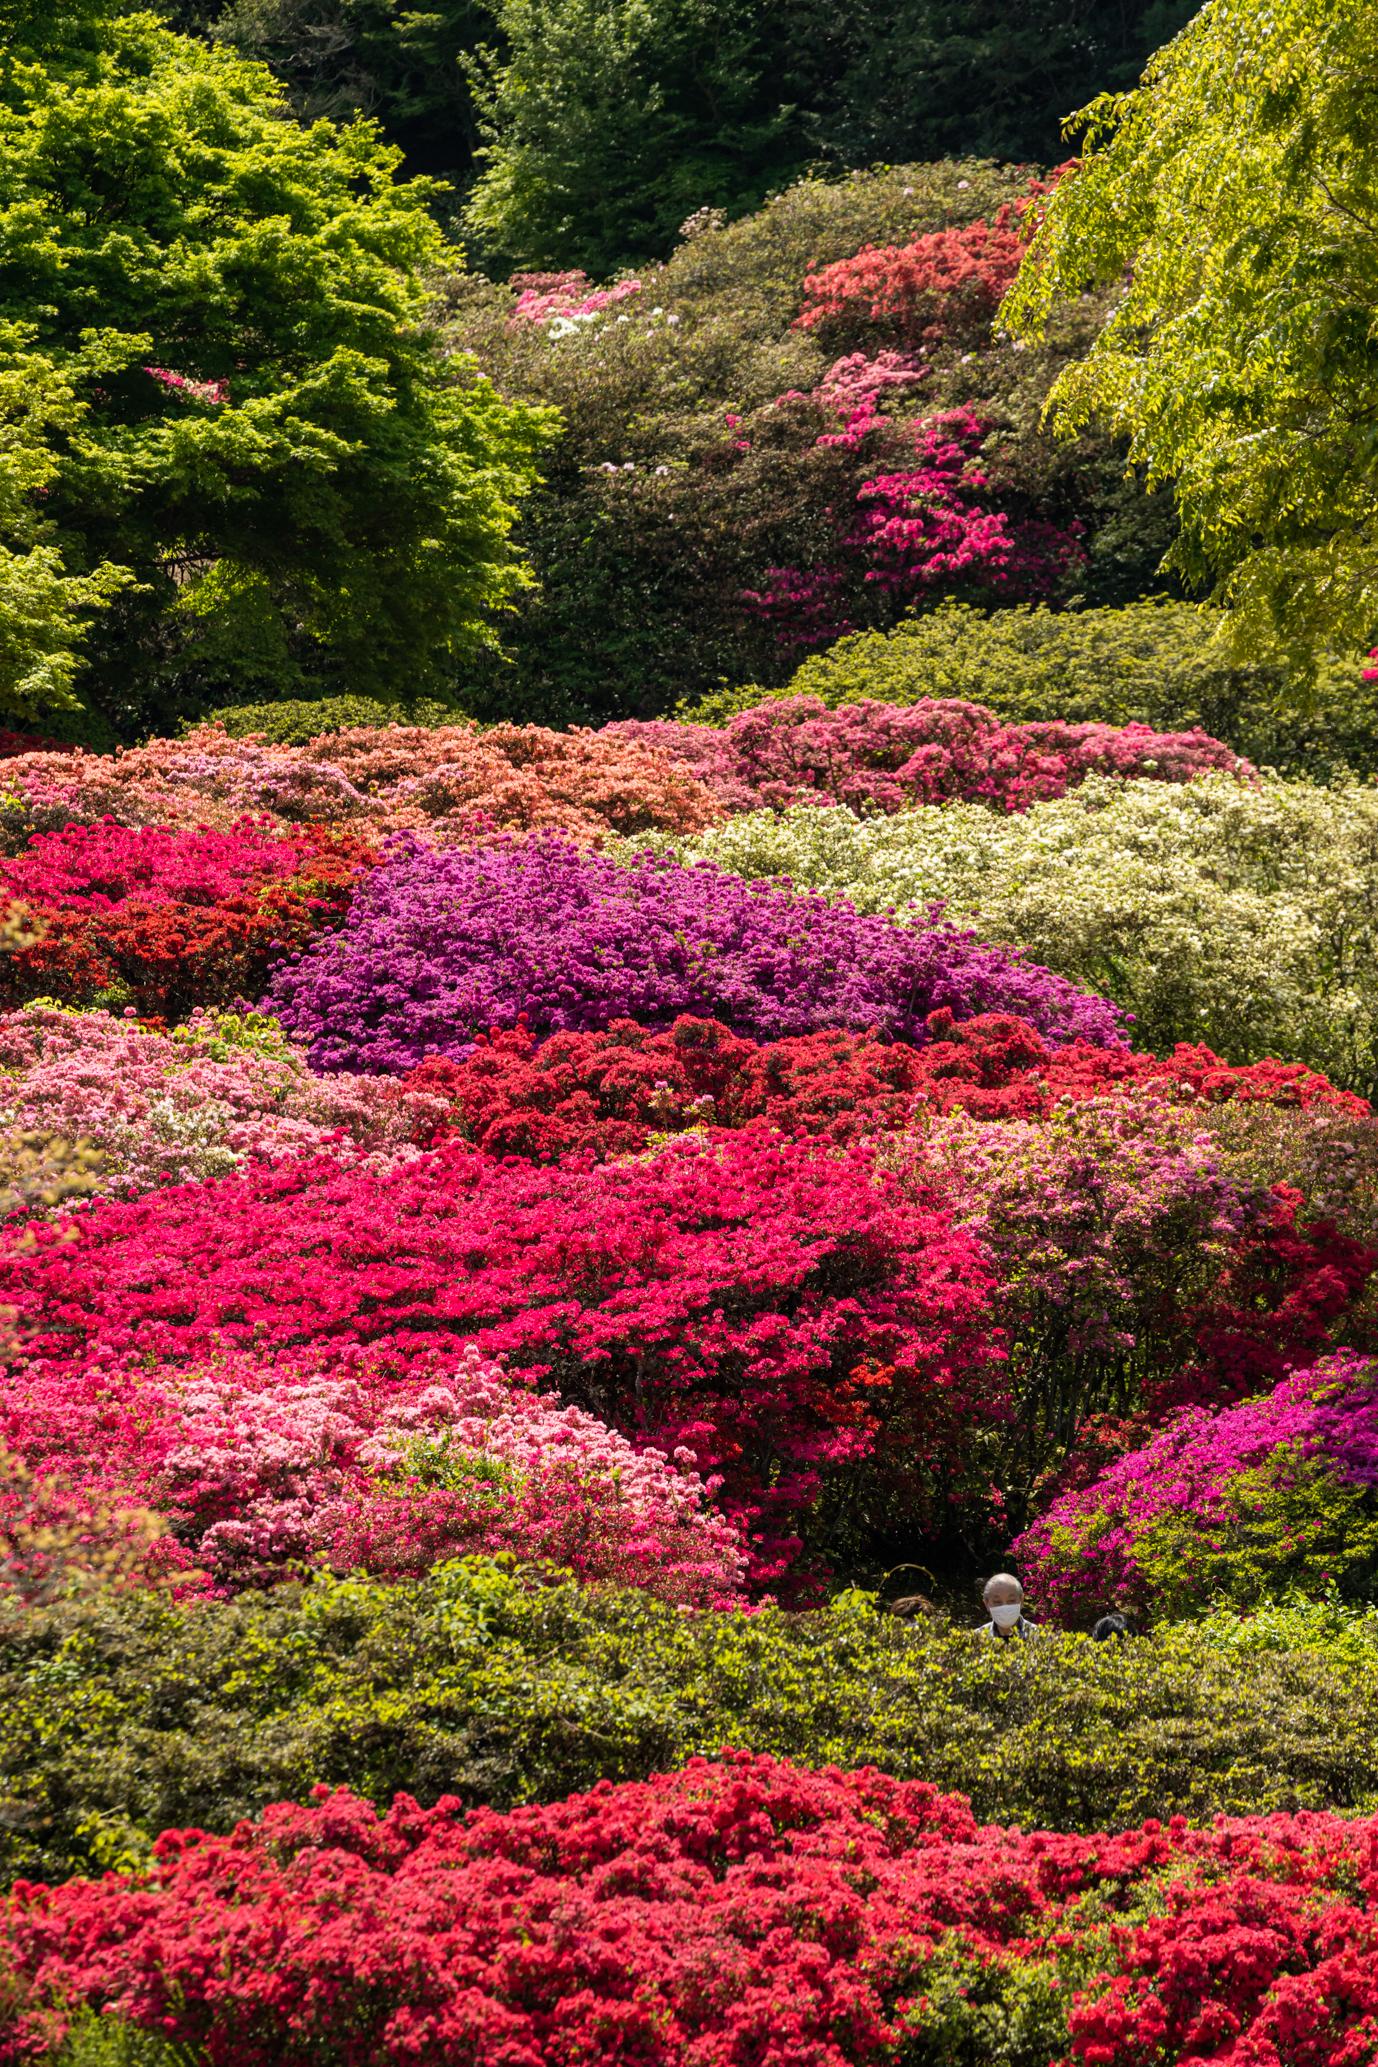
(1155, 662)
(397, 62)
(921, 78)
(610, 121)
(123, 1715)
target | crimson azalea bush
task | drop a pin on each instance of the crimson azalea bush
(889, 757)
(440, 947)
(739, 1911)
(1275, 1492)
(260, 1469)
(763, 1305)
(608, 1093)
(167, 919)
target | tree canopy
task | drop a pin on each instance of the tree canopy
(235, 456)
(1235, 195)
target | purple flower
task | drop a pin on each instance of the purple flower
(439, 947)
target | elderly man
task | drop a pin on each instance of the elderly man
(1004, 1599)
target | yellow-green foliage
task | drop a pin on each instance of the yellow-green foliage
(124, 1715)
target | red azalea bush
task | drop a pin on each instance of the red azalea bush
(169, 919)
(607, 1093)
(760, 1304)
(739, 1913)
(941, 288)
(890, 757)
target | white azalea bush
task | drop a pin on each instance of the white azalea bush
(1241, 915)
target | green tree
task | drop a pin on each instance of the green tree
(1235, 195)
(388, 59)
(237, 460)
(610, 122)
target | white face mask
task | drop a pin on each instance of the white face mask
(1006, 1614)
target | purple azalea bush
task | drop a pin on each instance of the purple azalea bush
(441, 946)
(1236, 1505)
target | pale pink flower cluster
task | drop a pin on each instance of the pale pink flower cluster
(186, 1107)
(261, 1471)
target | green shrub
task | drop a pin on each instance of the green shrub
(1218, 911)
(299, 720)
(122, 1715)
(1156, 663)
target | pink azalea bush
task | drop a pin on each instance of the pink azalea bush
(219, 1092)
(890, 757)
(261, 1469)
(1236, 1505)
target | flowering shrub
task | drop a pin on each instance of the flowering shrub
(561, 300)
(762, 1304)
(218, 1093)
(1233, 913)
(915, 527)
(886, 757)
(169, 919)
(259, 1469)
(740, 1910)
(944, 287)
(1234, 1505)
(441, 947)
(450, 781)
(608, 1093)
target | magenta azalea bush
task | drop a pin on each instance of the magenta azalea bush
(440, 947)
(1238, 1505)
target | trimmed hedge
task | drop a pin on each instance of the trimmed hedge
(1154, 663)
(123, 1714)
(298, 720)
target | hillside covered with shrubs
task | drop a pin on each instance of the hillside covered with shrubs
(688, 854)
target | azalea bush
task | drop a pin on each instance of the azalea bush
(884, 757)
(439, 947)
(1219, 911)
(764, 1306)
(166, 919)
(258, 1469)
(613, 1092)
(1274, 1492)
(447, 780)
(222, 1090)
(662, 1917)
(1153, 662)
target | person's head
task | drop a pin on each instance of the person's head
(911, 1606)
(1004, 1599)
(1111, 1629)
